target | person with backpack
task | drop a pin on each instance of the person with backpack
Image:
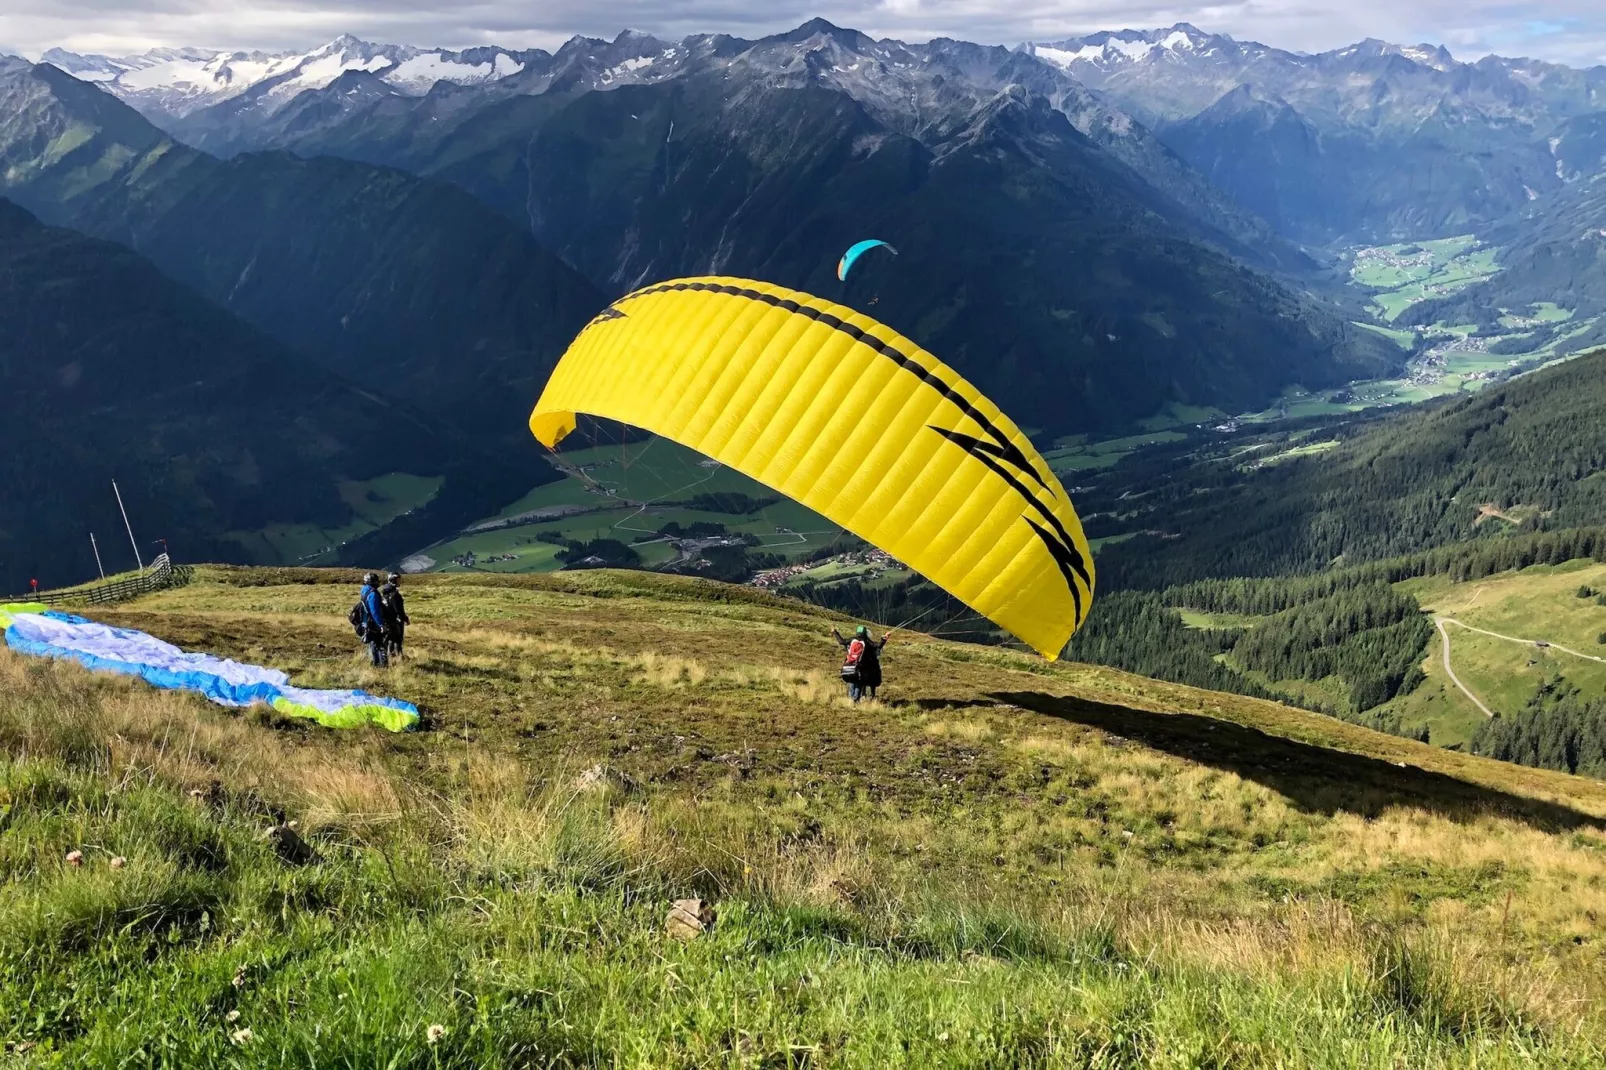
(861, 666)
(396, 619)
(367, 618)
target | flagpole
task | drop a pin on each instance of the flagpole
(131, 541)
(100, 567)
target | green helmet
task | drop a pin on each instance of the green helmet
(863, 631)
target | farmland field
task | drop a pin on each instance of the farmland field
(630, 492)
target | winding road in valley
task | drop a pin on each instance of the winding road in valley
(1444, 633)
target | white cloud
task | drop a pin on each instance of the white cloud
(1468, 27)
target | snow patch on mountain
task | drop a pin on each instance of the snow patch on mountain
(1107, 50)
(1061, 57)
(176, 82)
(1428, 57)
(321, 70)
(629, 66)
(86, 68)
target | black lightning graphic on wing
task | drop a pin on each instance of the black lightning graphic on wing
(1058, 541)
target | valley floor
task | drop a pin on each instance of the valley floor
(1003, 863)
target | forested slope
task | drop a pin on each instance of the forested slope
(1345, 641)
(412, 287)
(111, 370)
(1527, 454)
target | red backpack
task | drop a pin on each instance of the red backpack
(850, 664)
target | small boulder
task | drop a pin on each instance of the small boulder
(689, 918)
(602, 778)
(741, 761)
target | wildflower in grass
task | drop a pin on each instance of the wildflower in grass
(239, 976)
(241, 1036)
(119, 862)
(434, 1033)
(232, 1016)
(75, 858)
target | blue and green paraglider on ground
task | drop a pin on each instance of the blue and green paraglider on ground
(37, 630)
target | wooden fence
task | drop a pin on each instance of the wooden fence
(158, 575)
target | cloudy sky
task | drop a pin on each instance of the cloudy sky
(1569, 31)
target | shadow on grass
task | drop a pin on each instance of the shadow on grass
(1316, 779)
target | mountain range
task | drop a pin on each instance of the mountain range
(409, 285)
(170, 83)
(1372, 142)
(327, 100)
(1273, 149)
(1088, 281)
(1378, 142)
(1093, 230)
(1483, 137)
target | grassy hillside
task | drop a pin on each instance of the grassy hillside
(1004, 862)
(1529, 662)
(1539, 604)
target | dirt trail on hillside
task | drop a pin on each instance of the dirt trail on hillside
(1444, 634)
(1526, 642)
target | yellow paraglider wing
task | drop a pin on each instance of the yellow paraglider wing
(841, 413)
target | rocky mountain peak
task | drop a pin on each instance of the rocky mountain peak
(637, 37)
(821, 28)
(342, 43)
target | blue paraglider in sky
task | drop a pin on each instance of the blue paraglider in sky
(855, 251)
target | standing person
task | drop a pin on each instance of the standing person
(861, 668)
(368, 616)
(396, 619)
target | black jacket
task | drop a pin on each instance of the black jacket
(395, 607)
(869, 661)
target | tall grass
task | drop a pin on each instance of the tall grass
(522, 913)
